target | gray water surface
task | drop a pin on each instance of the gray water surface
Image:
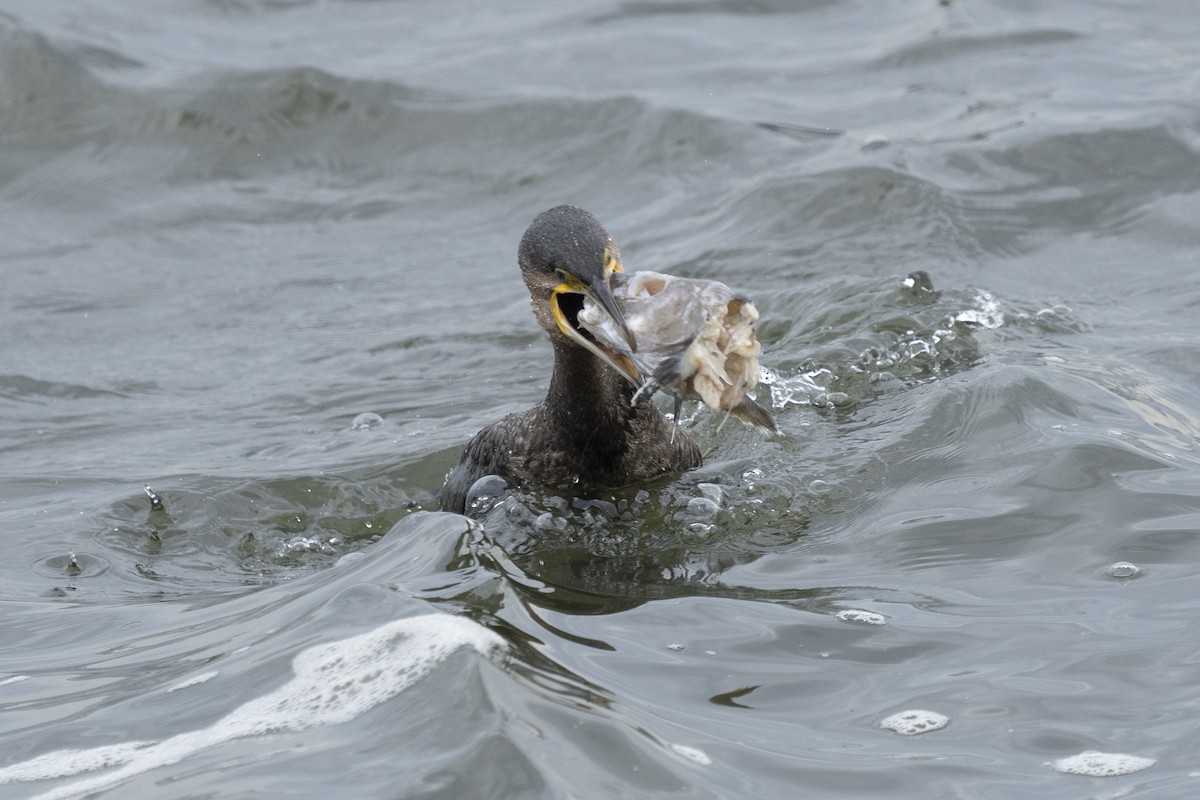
(231, 229)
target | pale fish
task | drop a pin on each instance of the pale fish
(695, 341)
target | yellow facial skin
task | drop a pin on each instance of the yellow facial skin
(611, 264)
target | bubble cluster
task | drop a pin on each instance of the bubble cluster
(1102, 765)
(929, 334)
(862, 617)
(612, 525)
(810, 388)
(985, 313)
(326, 545)
(910, 723)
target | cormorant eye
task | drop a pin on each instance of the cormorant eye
(561, 274)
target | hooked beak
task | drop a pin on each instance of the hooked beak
(600, 293)
(602, 296)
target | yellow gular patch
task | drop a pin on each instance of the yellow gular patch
(611, 264)
(560, 318)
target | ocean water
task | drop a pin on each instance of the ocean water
(259, 256)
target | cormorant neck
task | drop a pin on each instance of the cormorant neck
(586, 396)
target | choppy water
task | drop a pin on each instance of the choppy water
(230, 229)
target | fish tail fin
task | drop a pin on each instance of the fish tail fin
(752, 413)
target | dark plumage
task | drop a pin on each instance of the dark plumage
(585, 432)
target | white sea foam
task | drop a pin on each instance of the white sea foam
(333, 684)
(917, 720)
(195, 680)
(1102, 765)
(862, 617)
(693, 754)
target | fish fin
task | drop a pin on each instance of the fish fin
(678, 408)
(667, 372)
(752, 413)
(647, 389)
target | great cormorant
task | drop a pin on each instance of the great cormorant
(587, 432)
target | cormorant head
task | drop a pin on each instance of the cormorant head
(566, 255)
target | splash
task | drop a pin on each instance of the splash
(334, 683)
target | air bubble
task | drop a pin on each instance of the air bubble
(918, 349)
(1123, 569)
(366, 421)
(1102, 765)
(702, 507)
(918, 282)
(549, 522)
(484, 492)
(910, 723)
